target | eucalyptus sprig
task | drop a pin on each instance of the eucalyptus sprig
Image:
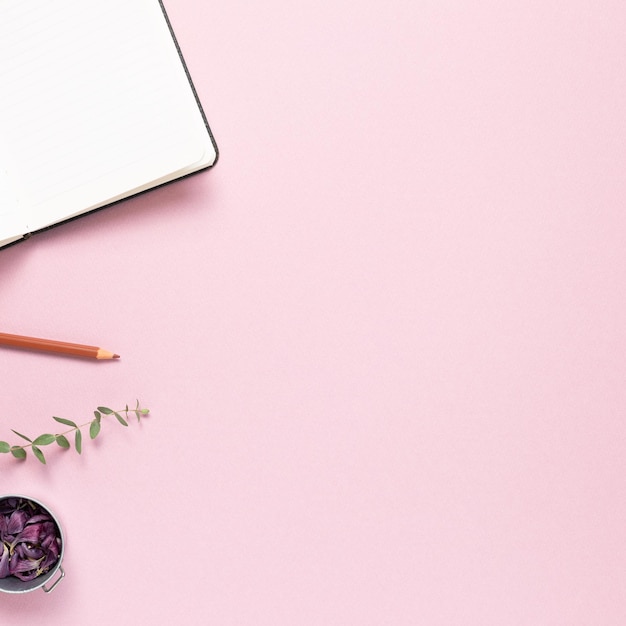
(61, 439)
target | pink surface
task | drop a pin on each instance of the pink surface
(382, 342)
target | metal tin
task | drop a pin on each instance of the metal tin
(11, 584)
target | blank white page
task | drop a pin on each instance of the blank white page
(94, 103)
(11, 218)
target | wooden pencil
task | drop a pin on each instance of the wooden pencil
(60, 347)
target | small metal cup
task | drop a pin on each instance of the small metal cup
(11, 584)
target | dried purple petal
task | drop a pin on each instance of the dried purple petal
(8, 505)
(41, 517)
(16, 522)
(19, 566)
(28, 575)
(49, 560)
(4, 562)
(30, 534)
(49, 539)
(29, 551)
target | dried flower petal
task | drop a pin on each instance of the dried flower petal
(41, 517)
(20, 566)
(8, 505)
(16, 522)
(27, 574)
(29, 551)
(4, 562)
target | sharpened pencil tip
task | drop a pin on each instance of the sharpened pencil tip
(116, 356)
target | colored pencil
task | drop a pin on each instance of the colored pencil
(60, 347)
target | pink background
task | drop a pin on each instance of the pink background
(382, 342)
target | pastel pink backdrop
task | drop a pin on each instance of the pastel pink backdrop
(382, 342)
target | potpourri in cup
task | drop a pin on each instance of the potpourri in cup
(30, 541)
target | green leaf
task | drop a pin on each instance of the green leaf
(94, 428)
(18, 452)
(4, 447)
(44, 440)
(39, 454)
(105, 410)
(62, 420)
(62, 441)
(97, 415)
(145, 411)
(121, 420)
(20, 435)
(78, 441)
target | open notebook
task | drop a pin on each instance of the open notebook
(96, 105)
